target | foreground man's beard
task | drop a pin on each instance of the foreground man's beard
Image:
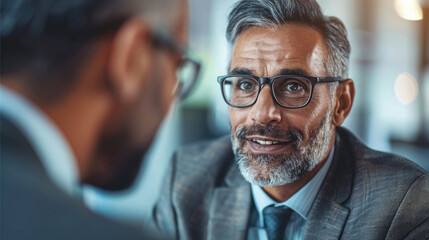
(116, 164)
(278, 170)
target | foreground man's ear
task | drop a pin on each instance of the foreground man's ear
(130, 60)
(345, 95)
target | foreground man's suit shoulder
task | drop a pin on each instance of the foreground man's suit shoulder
(365, 195)
(33, 207)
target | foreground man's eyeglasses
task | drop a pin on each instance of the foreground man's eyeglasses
(189, 69)
(289, 91)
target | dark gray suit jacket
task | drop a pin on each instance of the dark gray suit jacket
(33, 207)
(365, 195)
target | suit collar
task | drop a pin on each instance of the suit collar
(327, 215)
(342, 171)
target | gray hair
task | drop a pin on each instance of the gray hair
(272, 13)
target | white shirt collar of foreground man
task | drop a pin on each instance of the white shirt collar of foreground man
(47, 140)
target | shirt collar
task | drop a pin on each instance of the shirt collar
(47, 140)
(301, 201)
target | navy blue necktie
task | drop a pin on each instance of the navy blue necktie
(275, 220)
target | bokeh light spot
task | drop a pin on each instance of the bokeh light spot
(409, 10)
(406, 88)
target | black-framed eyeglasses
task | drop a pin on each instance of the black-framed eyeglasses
(289, 91)
(189, 68)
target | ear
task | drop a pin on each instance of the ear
(129, 61)
(344, 100)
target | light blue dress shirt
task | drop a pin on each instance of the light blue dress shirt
(47, 140)
(300, 203)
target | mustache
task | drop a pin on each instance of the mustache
(268, 130)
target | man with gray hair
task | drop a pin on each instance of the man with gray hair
(85, 85)
(288, 170)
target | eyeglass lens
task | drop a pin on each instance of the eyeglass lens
(187, 75)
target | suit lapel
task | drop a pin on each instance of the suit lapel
(327, 223)
(328, 216)
(230, 208)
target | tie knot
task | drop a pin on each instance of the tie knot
(275, 220)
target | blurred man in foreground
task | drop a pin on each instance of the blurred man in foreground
(288, 170)
(84, 86)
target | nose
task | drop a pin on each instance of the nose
(265, 110)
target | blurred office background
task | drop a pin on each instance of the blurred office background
(389, 64)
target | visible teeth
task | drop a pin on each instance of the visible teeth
(265, 142)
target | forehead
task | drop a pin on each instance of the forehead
(266, 51)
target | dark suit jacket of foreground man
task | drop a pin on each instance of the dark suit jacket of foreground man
(33, 207)
(365, 195)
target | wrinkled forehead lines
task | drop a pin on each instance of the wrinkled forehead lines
(291, 43)
(258, 38)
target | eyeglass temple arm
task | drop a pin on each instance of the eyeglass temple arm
(329, 79)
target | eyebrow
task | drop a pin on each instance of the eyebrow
(246, 71)
(296, 71)
(241, 71)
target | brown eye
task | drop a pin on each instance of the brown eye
(290, 86)
(293, 87)
(246, 85)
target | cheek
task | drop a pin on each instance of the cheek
(301, 119)
(146, 118)
(237, 117)
(309, 118)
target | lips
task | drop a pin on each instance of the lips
(265, 145)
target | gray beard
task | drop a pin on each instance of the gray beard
(278, 170)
